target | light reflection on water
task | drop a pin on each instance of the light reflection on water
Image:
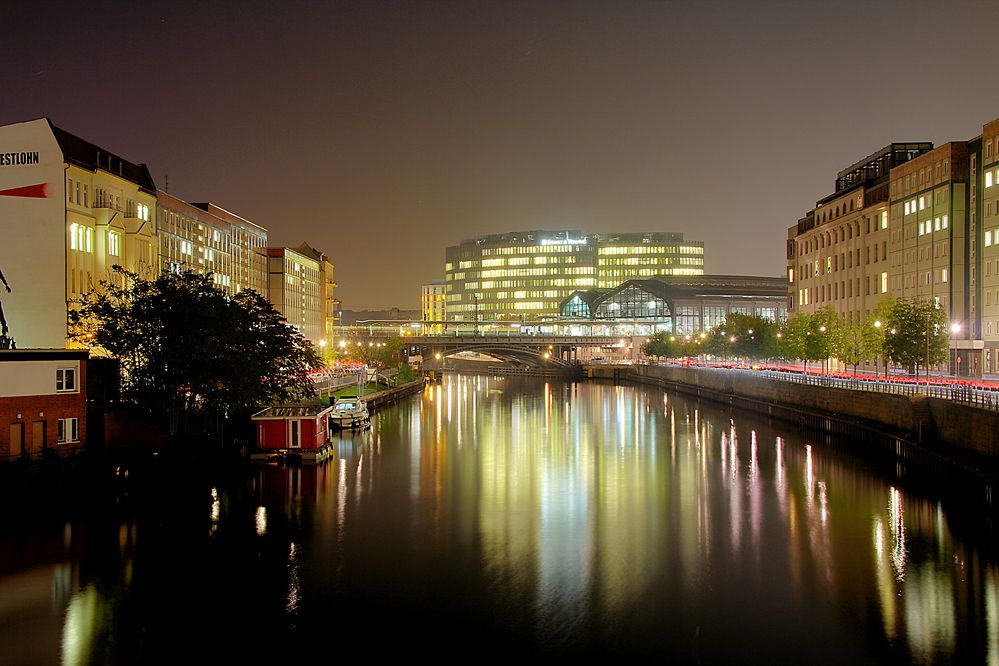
(561, 518)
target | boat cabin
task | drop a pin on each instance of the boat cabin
(292, 427)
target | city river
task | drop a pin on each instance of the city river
(491, 518)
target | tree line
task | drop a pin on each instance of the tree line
(192, 356)
(912, 334)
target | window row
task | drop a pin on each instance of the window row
(936, 224)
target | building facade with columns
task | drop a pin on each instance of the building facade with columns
(916, 222)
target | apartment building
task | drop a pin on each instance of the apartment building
(933, 213)
(331, 306)
(71, 210)
(297, 291)
(247, 247)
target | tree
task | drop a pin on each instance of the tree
(917, 334)
(755, 337)
(808, 336)
(875, 327)
(377, 355)
(848, 343)
(187, 348)
(662, 344)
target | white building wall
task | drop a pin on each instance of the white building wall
(24, 378)
(33, 237)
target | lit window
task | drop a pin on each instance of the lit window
(936, 224)
(988, 238)
(988, 179)
(922, 230)
(884, 283)
(114, 244)
(943, 275)
(906, 207)
(884, 219)
(944, 221)
(922, 203)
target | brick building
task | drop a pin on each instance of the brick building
(44, 403)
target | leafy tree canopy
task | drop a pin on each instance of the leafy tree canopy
(751, 336)
(916, 333)
(185, 346)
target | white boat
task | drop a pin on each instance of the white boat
(349, 413)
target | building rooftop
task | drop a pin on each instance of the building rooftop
(85, 154)
(292, 411)
(43, 354)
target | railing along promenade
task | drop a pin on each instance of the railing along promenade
(968, 392)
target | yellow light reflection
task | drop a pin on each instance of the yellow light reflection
(261, 520)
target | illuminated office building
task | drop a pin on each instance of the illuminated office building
(526, 275)
(433, 305)
(639, 256)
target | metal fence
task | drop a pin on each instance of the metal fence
(988, 398)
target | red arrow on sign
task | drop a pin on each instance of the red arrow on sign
(39, 191)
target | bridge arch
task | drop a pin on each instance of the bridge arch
(530, 355)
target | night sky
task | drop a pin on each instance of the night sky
(383, 132)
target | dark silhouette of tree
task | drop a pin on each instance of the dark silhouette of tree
(187, 348)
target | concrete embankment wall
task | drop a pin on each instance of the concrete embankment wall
(963, 425)
(382, 398)
(895, 411)
(915, 424)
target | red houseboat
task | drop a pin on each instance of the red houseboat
(299, 431)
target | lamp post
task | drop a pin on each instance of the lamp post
(825, 361)
(955, 328)
(877, 325)
(927, 368)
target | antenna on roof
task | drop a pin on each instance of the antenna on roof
(166, 182)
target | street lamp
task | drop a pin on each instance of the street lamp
(877, 325)
(955, 328)
(927, 368)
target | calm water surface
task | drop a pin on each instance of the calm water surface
(491, 518)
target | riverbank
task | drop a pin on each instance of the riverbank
(914, 428)
(388, 396)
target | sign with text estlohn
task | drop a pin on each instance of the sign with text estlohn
(33, 235)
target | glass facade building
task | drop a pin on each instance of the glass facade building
(525, 276)
(683, 305)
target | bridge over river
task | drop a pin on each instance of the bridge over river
(535, 350)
